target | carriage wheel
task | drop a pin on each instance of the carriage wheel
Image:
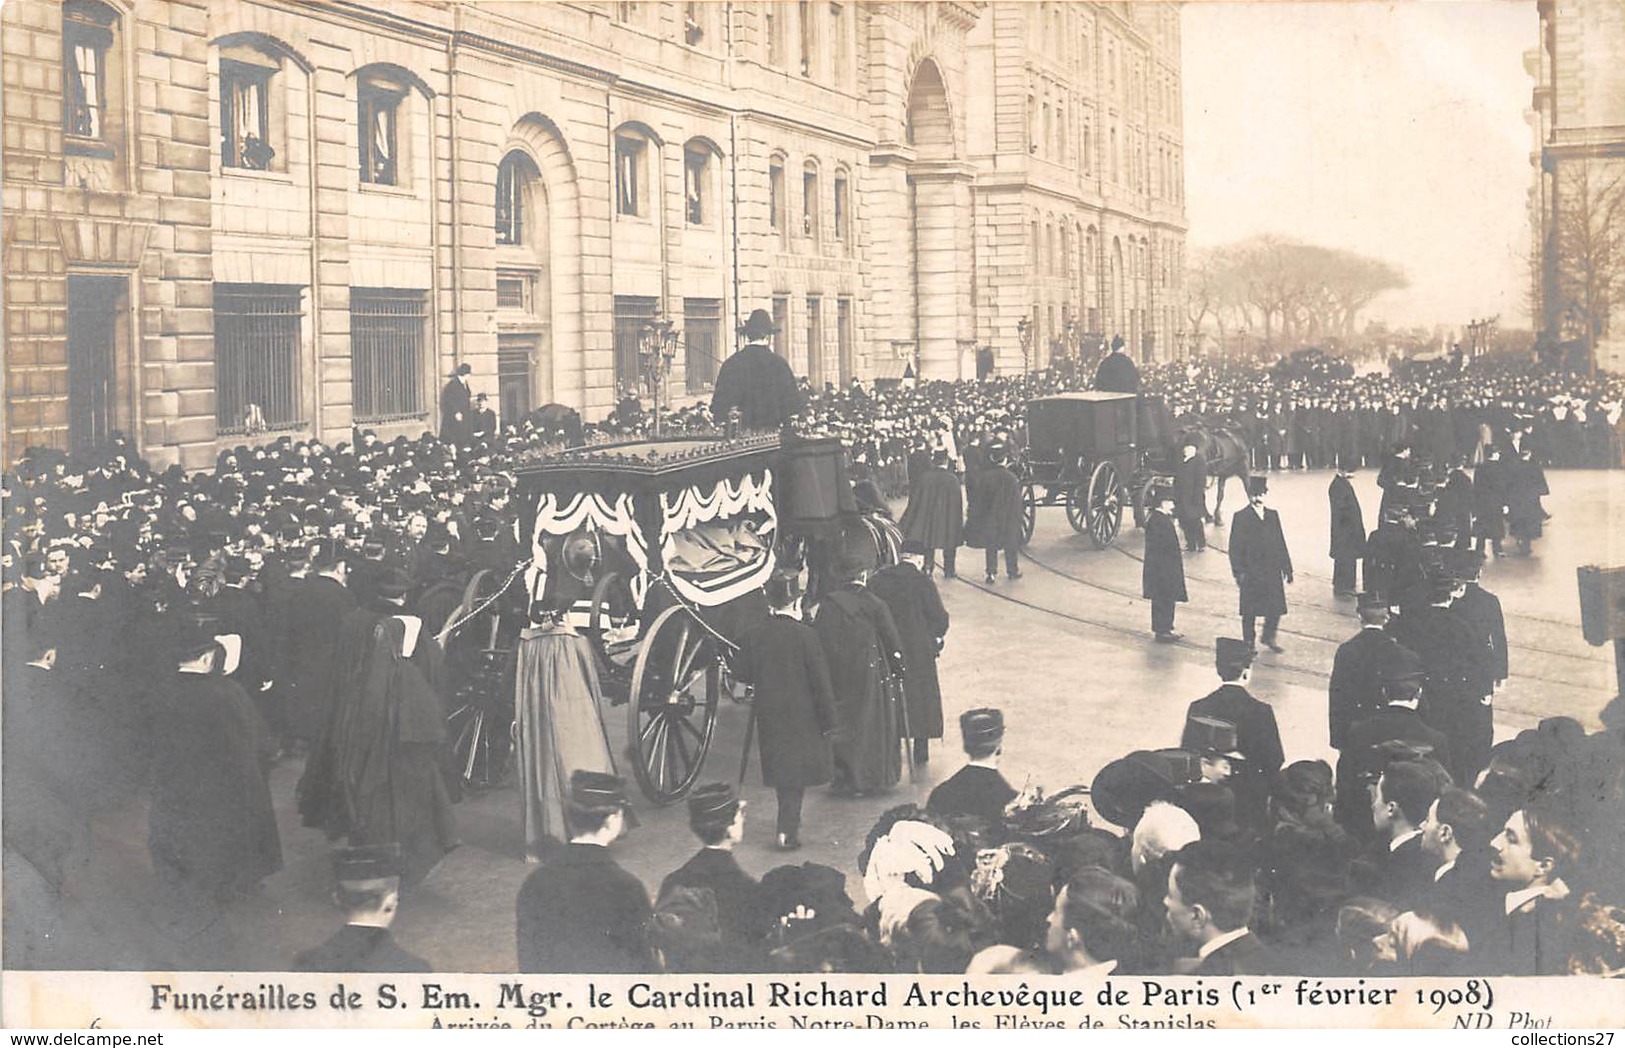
(1105, 505)
(1077, 508)
(676, 685)
(1142, 504)
(1029, 512)
(481, 727)
(614, 655)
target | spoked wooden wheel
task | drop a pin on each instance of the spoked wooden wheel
(1029, 511)
(611, 633)
(1142, 504)
(1105, 505)
(1077, 508)
(676, 686)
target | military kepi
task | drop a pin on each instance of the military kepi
(712, 805)
(598, 791)
(1231, 654)
(981, 728)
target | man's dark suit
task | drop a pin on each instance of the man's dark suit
(356, 948)
(1247, 955)
(1260, 562)
(760, 384)
(1360, 762)
(1482, 609)
(1356, 687)
(1190, 500)
(455, 410)
(973, 790)
(1401, 875)
(1453, 701)
(580, 912)
(1258, 739)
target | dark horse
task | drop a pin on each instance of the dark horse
(1226, 450)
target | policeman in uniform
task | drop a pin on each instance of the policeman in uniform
(369, 893)
(579, 911)
(977, 789)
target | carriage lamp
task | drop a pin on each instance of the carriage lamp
(1024, 333)
(657, 348)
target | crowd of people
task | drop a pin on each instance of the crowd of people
(174, 635)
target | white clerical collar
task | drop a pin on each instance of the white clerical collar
(1438, 875)
(1221, 940)
(1524, 896)
(414, 626)
(1403, 839)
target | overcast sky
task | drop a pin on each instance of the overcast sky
(1395, 130)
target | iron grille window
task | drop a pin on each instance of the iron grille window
(386, 353)
(632, 312)
(702, 341)
(513, 292)
(256, 357)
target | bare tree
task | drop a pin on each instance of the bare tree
(1586, 246)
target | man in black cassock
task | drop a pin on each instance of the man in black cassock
(922, 623)
(977, 789)
(369, 893)
(757, 381)
(1117, 373)
(1261, 564)
(579, 912)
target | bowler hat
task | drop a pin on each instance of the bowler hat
(981, 728)
(1464, 565)
(1210, 735)
(1231, 654)
(712, 805)
(759, 325)
(393, 584)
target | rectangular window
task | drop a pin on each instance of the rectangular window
(841, 209)
(377, 129)
(386, 353)
(809, 204)
(843, 340)
(87, 40)
(697, 186)
(781, 325)
(775, 197)
(815, 341)
(842, 54)
(771, 28)
(256, 357)
(245, 118)
(514, 290)
(808, 34)
(632, 312)
(629, 154)
(693, 28)
(702, 341)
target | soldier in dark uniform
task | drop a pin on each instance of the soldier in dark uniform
(1261, 564)
(1357, 670)
(716, 815)
(1190, 496)
(1450, 652)
(922, 623)
(369, 893)
(579, 911)
(1162, 577)
(977, 789)
(757, 381)
(1116, 373)
(1257, 736)
(1348, 530)
(1364, 755)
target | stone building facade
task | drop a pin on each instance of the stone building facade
(231, 219)
(1577, 193)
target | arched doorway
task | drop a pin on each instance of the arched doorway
(939, 196)
(538, 263)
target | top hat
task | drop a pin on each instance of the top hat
(1210, 735)
(366, 862)
(1257, 485)
(981, 728)
(1123, 789)
(1464, 565)
(1117, 343)
(1370, 602)
(783, 589)
(597, 792)
(759, 325)
(712, 805)
(1230, 653)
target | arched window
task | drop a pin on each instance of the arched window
(383, 127)
(812, 204)
(253, 114)
(514, 177)
(843, 208)
(699, 183)
(89, 75)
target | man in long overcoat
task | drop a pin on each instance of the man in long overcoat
(1257, 737)
(757, 381)
(1116, 373)
(793, 703)
(1348, 530)
(922, 622)
(1450, 651)
(935, 517)
(1526, 483)
(1490, 501)
(1190, 496)
(993, 520)
(1162, 579)
(1261, 565)
(1355, 692)
(456, 410)
(312, 610)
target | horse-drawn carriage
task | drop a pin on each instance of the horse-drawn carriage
(1094, 453)
(658, 551)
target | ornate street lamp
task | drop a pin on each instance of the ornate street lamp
(1024, 333)
(657, 348)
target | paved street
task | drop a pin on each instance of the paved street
(1065, 651)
